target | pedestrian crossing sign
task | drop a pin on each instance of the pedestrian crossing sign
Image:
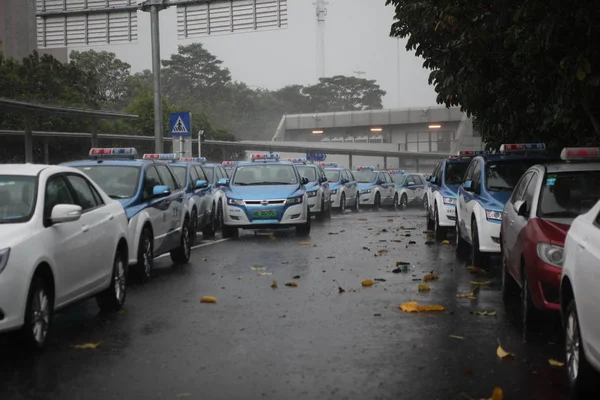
(180, 124)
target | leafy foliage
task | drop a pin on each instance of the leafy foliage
(523, 70)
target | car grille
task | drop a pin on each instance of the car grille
(264, 202)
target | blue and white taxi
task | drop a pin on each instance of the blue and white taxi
(441, 193)
(155, 204)
(189, 173)
(229, 166)
(486, 187)
(317, 189)
(376, 188)
(409, 188)
(343, 188)
(214, 174)
(265, 193)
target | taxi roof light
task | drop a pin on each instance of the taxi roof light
(470, 153)
(265, 157)
(522, 147)
(201, 160)
(113, 152)
(580, 153)
(329, 164)
(365, 168)
(229, 163)
(160, 156)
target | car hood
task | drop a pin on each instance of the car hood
(495, 200)
(555, 229)
(262, 192)
(453, 188)
(363, 186)
(312, 186)
(13, 234)
(334, 185)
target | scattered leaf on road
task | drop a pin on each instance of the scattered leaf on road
(397, 270)
(428, 232)
(412, 242)
(382, 251)
(399, 263)
(423, 287)
(380, 280)
(430, 277)
(291, 284)
(486, 313)
(465, 296)
(429, 242)
(390, 220)
(484, 283)
(87, 346)
(296, 277)
(396, 240)
(555, 363)
(497, 394)
(413, 306)
(457, 337)
(445, 242)
(362, 219)
(503, 354)
(274, 284)
(474, 269)
(367, 282)
(257, 267)
(304, 243)
(208, 299)
(123, 311)
(265, 273)
(205, 259)
(340, 289)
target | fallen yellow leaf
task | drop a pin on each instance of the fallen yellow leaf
(123, 311)
(208, 299)
(274, 284)
(390, 220)
(367, 282)
(428, 232)
(486, 313)
(291, 284)
(305, 243)
(484, 283)
(497, 394)
(445, 242)
(382, 251)
(413, 306)
(503, 354)
(457, 337)
(257, 268)
(396, 240)
(87, 345)
(430, 277)
(423, 287)
(555, 363)
(265, 273)
(466, 295)
(362, 219)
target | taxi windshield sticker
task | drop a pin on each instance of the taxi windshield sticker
(551, 180)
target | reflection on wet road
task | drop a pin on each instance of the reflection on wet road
(304, 342)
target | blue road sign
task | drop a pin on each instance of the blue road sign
(316, 157)
(180, 124)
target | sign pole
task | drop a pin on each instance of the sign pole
(155, 34)
(200, 133)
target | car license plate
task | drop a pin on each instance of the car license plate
(265, 214)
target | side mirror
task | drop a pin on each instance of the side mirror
(344, 181)
(223, 182)
(201, 184)
(521, 208)
(161, 191)
(468, 186)
(304, 180)
(324, 179)
(62, 213)
(379, 182)
(432, 179)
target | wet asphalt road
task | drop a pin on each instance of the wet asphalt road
(305, 342)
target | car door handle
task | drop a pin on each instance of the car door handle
(85, 228)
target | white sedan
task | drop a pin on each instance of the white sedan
(62, 240)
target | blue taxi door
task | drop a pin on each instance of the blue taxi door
(350, 184)
(175, 206)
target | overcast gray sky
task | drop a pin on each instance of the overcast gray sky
(356, 39)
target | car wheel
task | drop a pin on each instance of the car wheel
(438, 231)
(328, 212)
(357, 204)
(510, 289)
(430, 223)
(193, 226)
(477, 257)
(182, 254)
(377, 203)
(461, 245)
(145, 258)
(321, 214)
(219, 217)
(227, 231)
(343, 203)
(529, 313)
(404, 202)
(38, 314)
(395, 202)
(208, 232)
(304, 229)
(581, 376)
(113, 297)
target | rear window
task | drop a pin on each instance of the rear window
(117, 181)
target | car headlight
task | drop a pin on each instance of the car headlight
(294, 200)
(235, 202)
(551, 254)
(365, 191)
(312, 194)
(334, 191)
(4, 258)
(493, 215)
(450, 200)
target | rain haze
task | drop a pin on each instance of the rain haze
(356, 39)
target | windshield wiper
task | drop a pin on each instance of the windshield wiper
(117, 196)
(500, 188)
(271, 183)
(569, 214)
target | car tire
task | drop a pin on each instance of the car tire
(478, 258)
(219, 217)
(582, 378)
(38, 315)
(343, 203)
(439, 232)
(529, 314)
(510, 289)
(145, 258)
(461, 245)
(113, 297)
(328, 212)
(395, 202)
(430, 222)
(377, 201)
(321, 214)
(404, 202)
(208, 232)
(356, 208)
(194, 226)
(304, 229)
(182, 254)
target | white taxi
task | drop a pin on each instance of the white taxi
(63, 240)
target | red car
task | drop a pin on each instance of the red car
(534, 227)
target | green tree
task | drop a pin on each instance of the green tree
(213, 152)
(523, 71)
(345, 93)
(112, 73)
(143, 106)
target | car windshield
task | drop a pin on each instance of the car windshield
(502, 176)
(455, 172)
(180, 174)
(308, 172)
(209, 173)
(265, 174)
(365, 176)
(118, 181)
(332, 176)
(569, 194)
(17, 200)
(399, 179)
(228, 171)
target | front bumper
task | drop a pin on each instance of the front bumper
(544, 281)
(447, 214)
(314, 203)
(290, 215)
(489, 237)
(336, 199)
(13, 297)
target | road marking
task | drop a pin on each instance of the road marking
(197, 247)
